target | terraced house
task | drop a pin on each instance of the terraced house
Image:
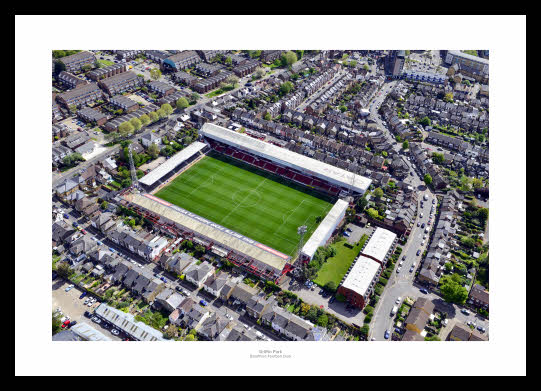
(111, 70)
(75, 62)
(120, 83)
(80, 96)
(69, 80)
(181, 60)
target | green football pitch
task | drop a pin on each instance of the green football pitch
(252, 202)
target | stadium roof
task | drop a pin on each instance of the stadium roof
(221, 236)
(283, 156)
(361, 275)
(127, 323)
(170, 164)
(379, 244)
(325, 229)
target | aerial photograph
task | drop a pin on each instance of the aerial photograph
(270, 195)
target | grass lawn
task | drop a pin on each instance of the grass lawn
(105, 63)
(336, 267)
(254, 203)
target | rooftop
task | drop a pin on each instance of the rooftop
(361, 275)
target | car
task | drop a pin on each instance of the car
(178, 288)
(421, 215)
(332, 299)
(403, 257)
(423, 225)
(87, 314)
(412, 269)
(400, 263)
(386, 334)
(398, 300)
(203, 302)
(372, 339)
(75, 224)
(66, 216)
(398, 269)
(465, 311)
(156, 275)
(83, 231)
(424, 236)
(423, 290)
(346, 234)
(418, 252)
(90, 303)
(83, 294)
(112, 250)
(69, 287)
(66, 323)
(423, 243)
(481, 329)
(70, 324)
(115, 332)
(418, 224)
(163, 279)
(95, 319)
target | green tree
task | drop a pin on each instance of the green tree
(194, 97)
(153, 150)
(267, 116)
(433, 338)
(56, 323)
(425, 121)
(452, 290)
(136, 123)
(286, 87)
(448, 97)
(288, 58)
(428, 179)
(155, 74)
(190, 337)
(182, 103)
(438, 158)
(323, 320)
(104, 205)
(171, 332)
(361, 204)
(153, 116)
(166, 107)
(405, 145)
(372, 213)
(145, 120)
(86, 67)
(330, 286)
(299, 53)
(161, 113)
(125, 128)
(482, 214)
(64, 270)
(378, 193)
(228, 61)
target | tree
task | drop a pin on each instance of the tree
(153, 150)
(194, 97)
(56, 323)
(267, 116)
(153, 116)
(448, 97)
(125, 128)
(72, 159)
(161, 113)
(438, 158)
(452, 291)
(259, 72)
(405, 145)
(372, 213)
(73, 109)
(378, 193)
(482, 214)
(361, 204)
(155, 73)
(137, 124)
(189, 337)
(182, 103)
(167, 108)
(104, 205)
(233, 80)
(433, 338)
(330, 286)
(286, 87)
(425, 121)
(145, 120)
(299, 53)
(86, 67)
(64, 270)
(428, 179)
(288, 58)
(323, 320)
(228, 61)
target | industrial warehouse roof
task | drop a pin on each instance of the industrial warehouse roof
(216, 233)
(361, 275)
(126, 322)
(170, 164)
(325, 229)
(379, 244)
(283, 156)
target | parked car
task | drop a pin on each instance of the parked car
(69, 287)
(386, 334)
(465, 311)
(83, 294)
(115, 332)
(332, 299)
(66, 216)
(412, 269)
(346, 234)
(83, 231)
(95, 319)
(423, 290)
(203, 303)
(71, 324)
(423, 225)
(418, 252)
(398, 270)
(87, 314)
(66, 323)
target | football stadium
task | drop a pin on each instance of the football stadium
(244, 199)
